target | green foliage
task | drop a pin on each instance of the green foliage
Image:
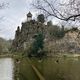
(56, 32)
(74, 29)
(37, 47)
(25, 70)
(41, 18)
(4, 45)
(49, 23)
(39, 40)
(1, 49)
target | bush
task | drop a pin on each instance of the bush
(37, 46)
(41, 18)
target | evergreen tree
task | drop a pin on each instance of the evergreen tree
(49, 23)
(56, 32)
(37, 46)
(41, 18)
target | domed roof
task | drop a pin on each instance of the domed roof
(29, 14)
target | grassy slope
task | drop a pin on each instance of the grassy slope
(65, 69)
(26, 71)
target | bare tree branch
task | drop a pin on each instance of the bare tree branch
(70, 10)
(3, 5)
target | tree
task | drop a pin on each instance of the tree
(62, 9)
(41, 18)
(49, 23)
(1, 49)
(3, 5)
(37, 47)
(56, 33)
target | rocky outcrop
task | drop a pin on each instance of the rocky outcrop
(70, 43)
(24, 36)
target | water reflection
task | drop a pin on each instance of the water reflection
(6, 69)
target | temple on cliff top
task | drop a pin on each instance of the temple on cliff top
(24, 36)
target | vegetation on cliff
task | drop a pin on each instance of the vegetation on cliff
(56, 39)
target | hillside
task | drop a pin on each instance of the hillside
(4, 45)
(56, 39)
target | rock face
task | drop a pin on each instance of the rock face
(72, 40)
(24, 37)
(70, 43)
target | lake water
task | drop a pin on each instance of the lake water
(6, 69)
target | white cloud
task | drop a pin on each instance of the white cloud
(13, 16)
(2, 35)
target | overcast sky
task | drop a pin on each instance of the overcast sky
(12, 16)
